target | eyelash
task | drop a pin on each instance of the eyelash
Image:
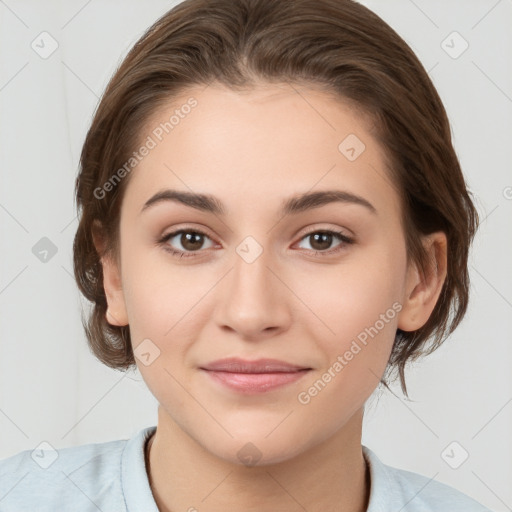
(180, 254)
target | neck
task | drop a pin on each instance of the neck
(327, 477)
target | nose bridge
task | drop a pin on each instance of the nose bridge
(251, 267)
(253, 299)
(251, 279)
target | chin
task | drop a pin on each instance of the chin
(255, 449)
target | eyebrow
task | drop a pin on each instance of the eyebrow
(293, 205)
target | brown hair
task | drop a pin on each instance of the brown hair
(339, 45)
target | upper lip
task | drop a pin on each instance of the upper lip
(237, 365)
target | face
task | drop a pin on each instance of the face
(322, 285)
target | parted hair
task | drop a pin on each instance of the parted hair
(338, 45)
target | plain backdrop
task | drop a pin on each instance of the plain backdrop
(52, 388)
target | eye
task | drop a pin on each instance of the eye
(192, 241)
(322, 240)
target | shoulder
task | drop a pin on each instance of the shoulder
(393, 488)
(81, 478)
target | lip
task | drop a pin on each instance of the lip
(257, 376)
(237, 365)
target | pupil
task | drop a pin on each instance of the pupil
(191, 241)
(325, 240)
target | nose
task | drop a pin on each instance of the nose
(253, 299)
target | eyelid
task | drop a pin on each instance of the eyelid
(336, 229)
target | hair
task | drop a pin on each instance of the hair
(338, 45)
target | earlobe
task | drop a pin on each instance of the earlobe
(113, 320)
(116, 313)
(422, 291)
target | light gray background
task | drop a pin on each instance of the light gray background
(52, 388)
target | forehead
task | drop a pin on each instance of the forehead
(271, 141)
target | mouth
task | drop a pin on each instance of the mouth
(258, 376)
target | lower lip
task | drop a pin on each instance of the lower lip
(256, 382)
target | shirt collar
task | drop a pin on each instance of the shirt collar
(134, 478)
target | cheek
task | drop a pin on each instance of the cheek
(168, 305)
(359, 311)
(353, 297)
(163, 307)
(357, 356)
(157, 294)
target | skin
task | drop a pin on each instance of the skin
(252, 150)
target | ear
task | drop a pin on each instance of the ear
(116, 313)
(422, 291)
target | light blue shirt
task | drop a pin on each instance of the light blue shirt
(111, 477)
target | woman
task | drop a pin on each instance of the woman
(273, 220)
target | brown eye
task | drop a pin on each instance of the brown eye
(321, 241)
(184, 241)
(191, 241)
